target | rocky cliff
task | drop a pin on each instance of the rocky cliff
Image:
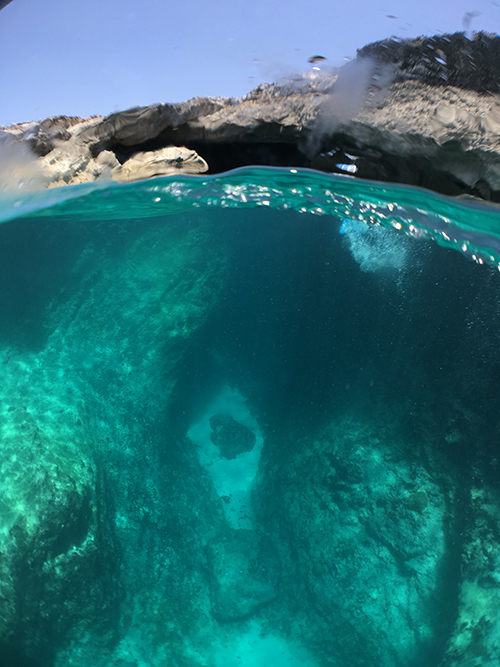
(423, 112)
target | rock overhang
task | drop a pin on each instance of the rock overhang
(406, 111)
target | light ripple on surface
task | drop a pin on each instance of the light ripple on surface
(470, 227)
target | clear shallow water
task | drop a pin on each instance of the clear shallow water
(249, 419)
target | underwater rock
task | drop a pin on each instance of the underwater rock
(367, 540)
(422, 112)
(145, 305)
(231, 437)
(55, 539)
(138, 298)
(79, 406)
(475, 639)
(244, 574)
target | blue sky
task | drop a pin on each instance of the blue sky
(99, 56)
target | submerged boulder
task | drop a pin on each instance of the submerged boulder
(56, 541)
(231, 437)
(366, 539)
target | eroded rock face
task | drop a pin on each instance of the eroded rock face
(443, 60)
(424, 112)
(475, 639)
(163, 162)
(55, 534)
(367, 537)
(79, 470)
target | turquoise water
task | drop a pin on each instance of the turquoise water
(466, 225)
(249, 419)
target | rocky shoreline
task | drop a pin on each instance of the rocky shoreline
(422, 112)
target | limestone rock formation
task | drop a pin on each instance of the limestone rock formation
(443, 60)
(114, 331)
(371, 560)
(55, 530)
(163, 162)
(423, 112)
(476, 635)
